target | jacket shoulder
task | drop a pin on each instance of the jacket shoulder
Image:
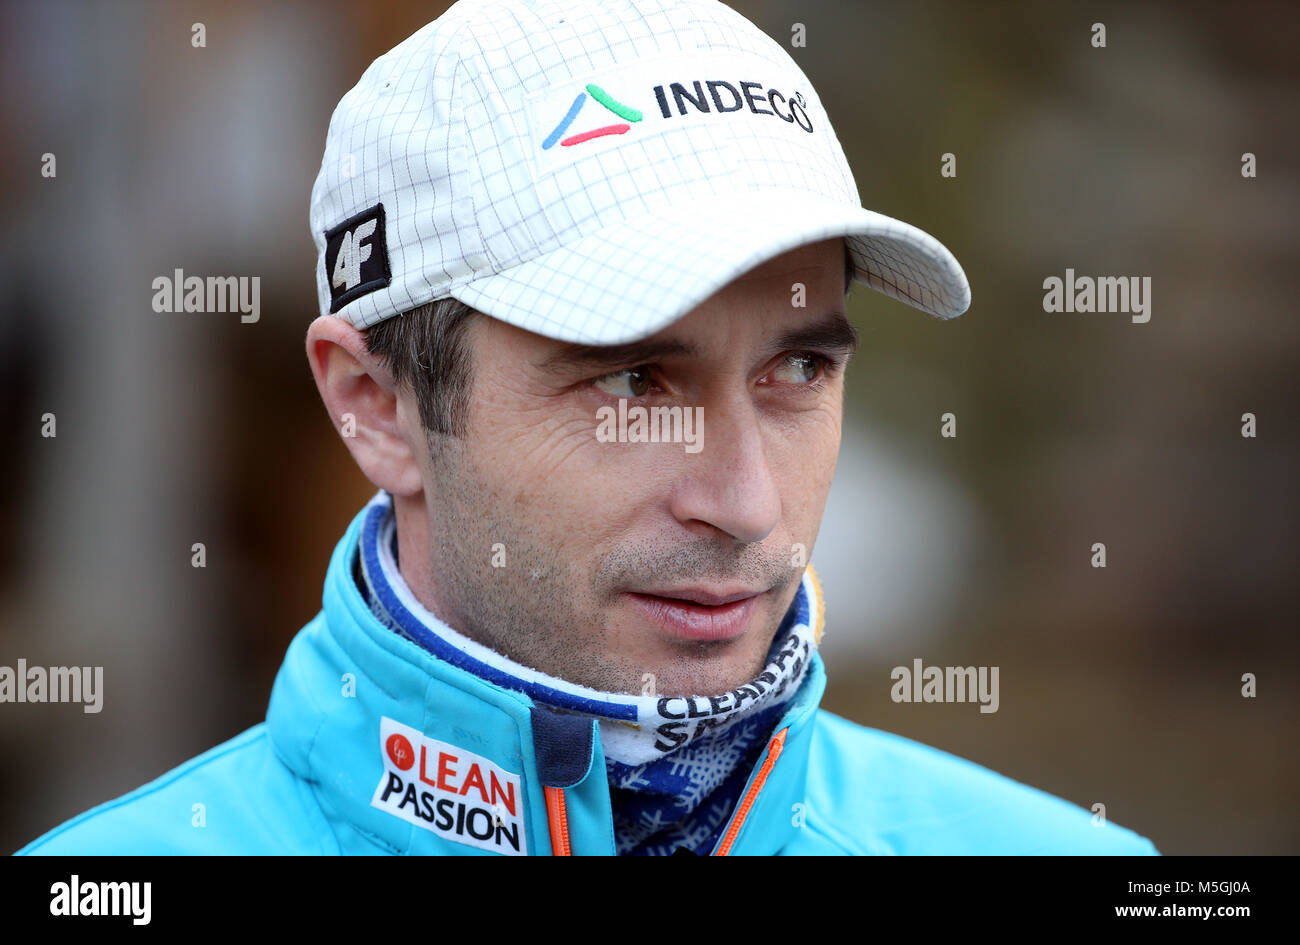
(235, 798)
(873, 792)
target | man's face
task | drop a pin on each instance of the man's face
(608, 563)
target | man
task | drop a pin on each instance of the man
(582, 274)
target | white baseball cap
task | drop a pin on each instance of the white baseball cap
(591, 170)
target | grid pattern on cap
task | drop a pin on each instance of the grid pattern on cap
(913, 268)
(393, 139)
(573, 296)
(522, 217)
(438, 131)
(523, 213)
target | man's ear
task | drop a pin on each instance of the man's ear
(378, 423)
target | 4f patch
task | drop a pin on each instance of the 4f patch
(356, 257)
(460, 796)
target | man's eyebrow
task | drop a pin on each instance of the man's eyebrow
(574, 357)
(832, 333)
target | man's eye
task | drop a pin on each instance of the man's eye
(797, 369)
(630, 382)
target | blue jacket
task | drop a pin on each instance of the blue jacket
(372, 745)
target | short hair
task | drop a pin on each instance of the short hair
(428, 349)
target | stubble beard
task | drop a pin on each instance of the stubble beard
(540, 612)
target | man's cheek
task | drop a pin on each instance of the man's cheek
(823, 443)
(805, 483)
(530, 451)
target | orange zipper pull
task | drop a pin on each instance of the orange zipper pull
(558, 818)
(773, 752)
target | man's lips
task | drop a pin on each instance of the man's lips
(696, 613)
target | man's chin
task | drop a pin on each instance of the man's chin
(710, 659)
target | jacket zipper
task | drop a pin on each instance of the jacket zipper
(773, 752)
(558, 818)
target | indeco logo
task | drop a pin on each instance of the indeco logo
(604, 98)
(726, 97)
(675, 92)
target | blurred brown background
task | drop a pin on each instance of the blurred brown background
(1119, 686)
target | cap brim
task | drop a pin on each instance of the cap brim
(629, 280)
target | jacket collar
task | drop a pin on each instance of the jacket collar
(409, 753)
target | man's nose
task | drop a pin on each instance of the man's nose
(728, 485)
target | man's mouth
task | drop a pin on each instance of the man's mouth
(699, 613)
